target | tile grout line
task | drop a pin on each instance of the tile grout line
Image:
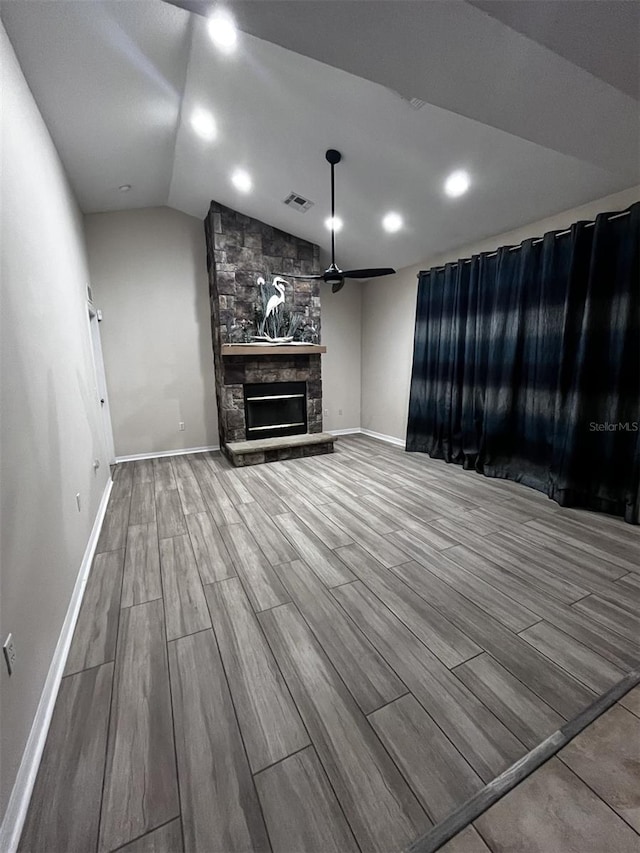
(144, 834)
(390, 702)
(561, 666)
(593, 791)
(309, 745)
(635, 713)
(488, 581)
(468, 812)
(184, 636)
(410, 693)
(358, 579)
(235, 711)
(514, 633)
(113, 677)
(598, 622)
(517, 678)
(311, 741)
(472, 658)
(171, 704)
(485, 651)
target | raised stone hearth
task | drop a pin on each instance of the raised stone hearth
(244, 453)
(239, 251)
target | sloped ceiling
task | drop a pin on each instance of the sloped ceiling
(529, 118)
(600, 37)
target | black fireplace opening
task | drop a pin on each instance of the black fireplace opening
(275, 409)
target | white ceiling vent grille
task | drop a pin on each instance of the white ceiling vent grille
(298, 202)
(414, 103)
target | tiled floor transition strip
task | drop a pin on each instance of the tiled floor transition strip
(484, 799)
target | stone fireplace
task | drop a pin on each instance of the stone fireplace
(240, 250)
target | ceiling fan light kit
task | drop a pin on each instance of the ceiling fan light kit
(333, 275)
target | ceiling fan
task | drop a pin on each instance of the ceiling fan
(333, 275)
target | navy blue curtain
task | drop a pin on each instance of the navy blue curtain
(526, 364)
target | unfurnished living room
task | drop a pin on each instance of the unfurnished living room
(320, 408)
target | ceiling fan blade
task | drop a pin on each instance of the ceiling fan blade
(372, 273)
(300, 277)
(336, 286)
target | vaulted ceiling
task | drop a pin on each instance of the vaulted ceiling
(540, 109)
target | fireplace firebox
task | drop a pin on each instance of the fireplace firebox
(275, 409)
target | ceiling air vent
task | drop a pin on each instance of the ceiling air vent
(298, 202)
(414, 103)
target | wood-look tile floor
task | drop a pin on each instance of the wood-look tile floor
(323, 654)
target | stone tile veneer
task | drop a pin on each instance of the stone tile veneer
(239, 250)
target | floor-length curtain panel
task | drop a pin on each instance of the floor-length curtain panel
(527, 364)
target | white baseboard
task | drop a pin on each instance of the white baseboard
(390, 439)
(16, 812)
(132, 457)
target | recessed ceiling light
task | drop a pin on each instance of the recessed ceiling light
(392, 222)
(457, 183)
(223, 31)
(204, 124)
(124, 188)
(333, 223)
(241, 180)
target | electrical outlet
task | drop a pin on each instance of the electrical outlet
(9, 653)
(181, 426)
(326, 413)
(78, 501)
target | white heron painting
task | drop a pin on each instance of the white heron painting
(275, 323)
(277, 298)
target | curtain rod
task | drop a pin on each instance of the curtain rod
(536, 240)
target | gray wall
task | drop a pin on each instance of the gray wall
(149, 278)
(388, 318)
(341, 334)
(51, 430)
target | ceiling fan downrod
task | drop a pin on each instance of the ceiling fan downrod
(333, 275)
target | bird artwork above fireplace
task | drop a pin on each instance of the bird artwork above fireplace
(275, 322)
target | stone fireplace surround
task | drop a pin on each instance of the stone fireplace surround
(239, 249)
